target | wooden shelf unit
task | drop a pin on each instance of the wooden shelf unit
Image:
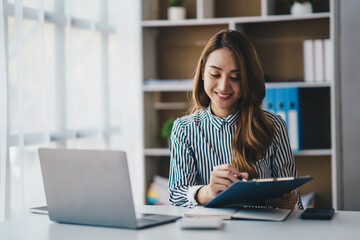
(171, 50)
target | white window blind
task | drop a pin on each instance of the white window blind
(70, 76)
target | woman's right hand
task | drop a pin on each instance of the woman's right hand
(221, 178)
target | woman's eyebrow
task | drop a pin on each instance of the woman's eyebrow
(213, 66)
(218, 68)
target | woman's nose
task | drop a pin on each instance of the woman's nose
(224, 83)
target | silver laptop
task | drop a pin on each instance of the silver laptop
(91, 187)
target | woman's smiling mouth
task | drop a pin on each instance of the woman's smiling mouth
(223, 96)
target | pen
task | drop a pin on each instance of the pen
(242, 179)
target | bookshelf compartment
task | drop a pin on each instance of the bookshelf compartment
(155, 118)
(190, 7)
(157, 9)
(236, 8)
(310, 128)
(315, 118)
(280, 45)
(276, 7)
(155, 166)
(319, 168)
(179, 49)
(173, 52)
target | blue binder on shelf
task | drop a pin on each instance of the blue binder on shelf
(269, 101)
(293, 116)
(281, 106)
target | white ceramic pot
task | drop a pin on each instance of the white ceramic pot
(301, 8)
(176, 13)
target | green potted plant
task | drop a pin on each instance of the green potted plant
(166, 128)
(176, 10)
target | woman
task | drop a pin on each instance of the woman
(228, 136)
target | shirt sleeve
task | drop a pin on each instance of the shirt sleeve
(183, 170)
(284, 164)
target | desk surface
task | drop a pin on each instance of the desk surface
(344, 225)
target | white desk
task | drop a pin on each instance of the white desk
(344, 225)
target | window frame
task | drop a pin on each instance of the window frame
(60, 21)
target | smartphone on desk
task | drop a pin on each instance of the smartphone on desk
(318, 213)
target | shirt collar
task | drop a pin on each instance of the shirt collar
(218, 122)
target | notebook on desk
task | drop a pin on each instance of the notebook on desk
(92, 187)
(265, 214)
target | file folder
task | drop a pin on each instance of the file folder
(309, 58)
(281, 107)
(293, 114)
(319, 60)
(269, 101)
(329, 60)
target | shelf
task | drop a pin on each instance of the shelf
(231, 20)
(164, 152)
(157, 152)
(297, 84)
(168, 85)
(171, 105)
(313, 152)
(188, 84)
(185, 22)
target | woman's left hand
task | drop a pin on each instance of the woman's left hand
(287, 201)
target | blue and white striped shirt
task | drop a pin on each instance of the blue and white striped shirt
(202, 141)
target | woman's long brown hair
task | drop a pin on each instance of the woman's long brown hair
(255, 131)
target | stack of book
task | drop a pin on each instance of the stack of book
(158, 193)
(318, 57)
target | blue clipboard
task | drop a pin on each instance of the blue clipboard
(255, 192)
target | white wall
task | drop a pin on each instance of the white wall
(349, 52)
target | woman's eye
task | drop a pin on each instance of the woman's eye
(235, 78)
(215, 75)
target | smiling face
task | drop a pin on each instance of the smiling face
(222, 82)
